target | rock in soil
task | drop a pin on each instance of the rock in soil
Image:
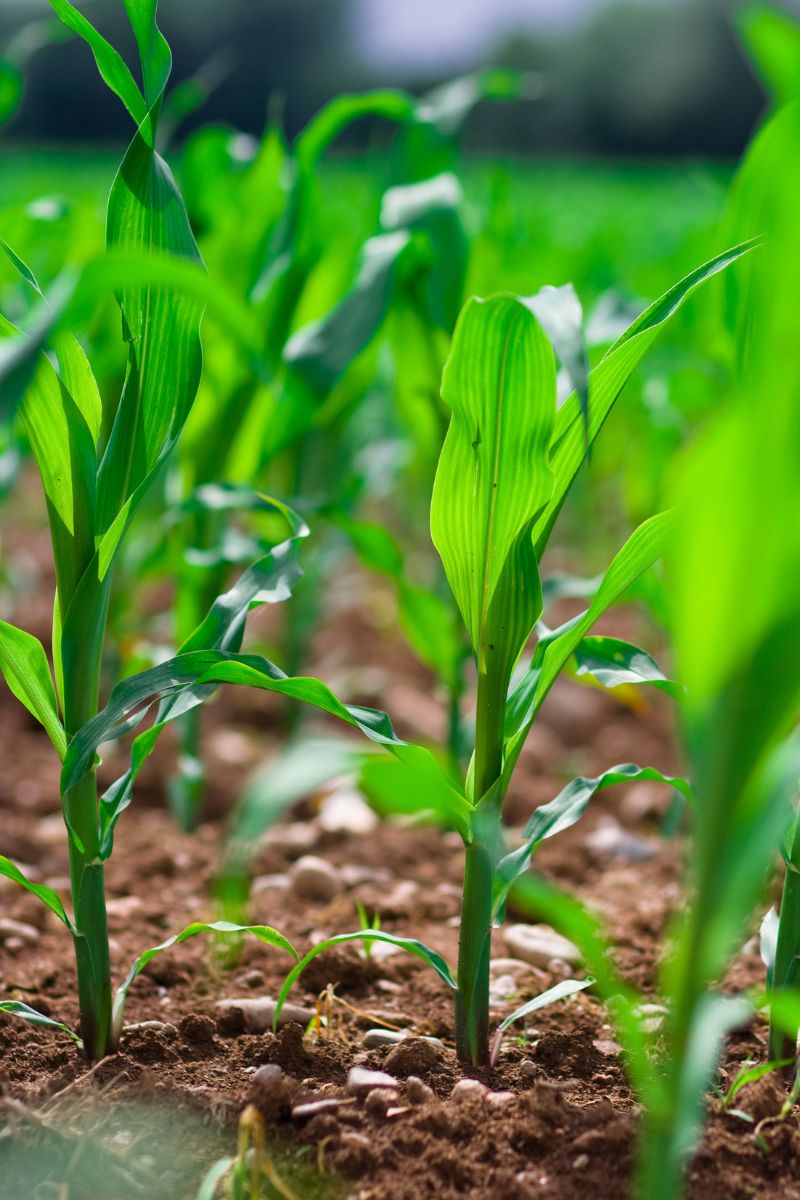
(361, 1080)
(418, 1092)
(468, 1089)
(253, 1014)
(539, 945)
(313, 878)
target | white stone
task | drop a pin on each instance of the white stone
(361, 1080)
(539, 945)
(258, 1012)
(346, 811)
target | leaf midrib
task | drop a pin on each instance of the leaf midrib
(492, 516)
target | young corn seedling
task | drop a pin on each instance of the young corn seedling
(93, 489)
(506, 467)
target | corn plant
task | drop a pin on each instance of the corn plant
(736, 567)
(505, 470)
(92, 491)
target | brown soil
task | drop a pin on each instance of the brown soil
(151, 1119)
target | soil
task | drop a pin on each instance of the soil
(558, 1120)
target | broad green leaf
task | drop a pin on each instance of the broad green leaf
(613, 662)
(493, 477)
(606, 382)
(264, 933)
(63, 446)
(110, 64)
(418, 949)
(27, 673)
(641, 550)
(44, 893)
(78, 378)
(17, 1009)
(567, 987)
(562, 812)
(146, 214)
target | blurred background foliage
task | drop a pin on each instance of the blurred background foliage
(621, 77)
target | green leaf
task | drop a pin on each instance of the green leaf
(608, 379)
(181, 683)
(27, 673)
(154, 53)
(18, 1009)
(716, 1016)
(44, 893)
(209, 1188)
(448, 106)
(418, 949)
(110, 64)
(318, 353)
(613, 662)
(560, 991)
(562, 812)
(146, 214)
(264, 933)
(494, 477)
(642, 549)
(21, 266)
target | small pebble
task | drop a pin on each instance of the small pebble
(304, 1112)
(417, 1091)
(539, 945)
(294, 838)
(529, 1072)
(500, 1099)
(346, 811)
(374, 1038)
(267, 1074)
(164, 1027)
(580, 1162)
(380, 1100)
(9, 928)
(612, 841)
(361, 1080)
(468, 1089)
(313, 878)
(258, 1011)
(270, 883)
